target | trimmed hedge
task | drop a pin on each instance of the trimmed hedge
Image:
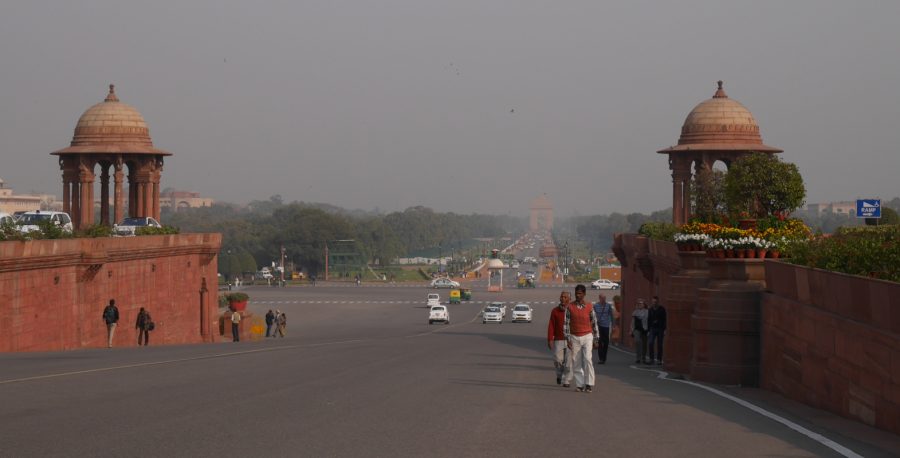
(869, 251)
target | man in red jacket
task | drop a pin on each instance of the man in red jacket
(556, 341)
(582, 336)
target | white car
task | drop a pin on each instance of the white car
(434, 299)
(444, 283)
(7, 219)
(501, 306)
(604, 284)
(492, 315)
(29, 221)
(521, 312)
(128, 226)
(439, 313)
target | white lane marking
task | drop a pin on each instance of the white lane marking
(170, 361)
(844, 451)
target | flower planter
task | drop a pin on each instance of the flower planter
(774, 254)
(238, 306)
(761, 252)
(750, 252)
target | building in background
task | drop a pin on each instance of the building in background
(11, 203)
(840, 208)
(177, 200)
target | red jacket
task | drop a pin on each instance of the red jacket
(555, 327)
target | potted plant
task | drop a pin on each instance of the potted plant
(237, 301)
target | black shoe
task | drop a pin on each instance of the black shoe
(637, 361)
(579, 389)
(558, 380)
(565, 385)
(588, 389)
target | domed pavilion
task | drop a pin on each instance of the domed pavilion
(717, 129)
(113, 135)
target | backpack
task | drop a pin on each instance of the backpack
(151, 326)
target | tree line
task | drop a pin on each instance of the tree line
(254, 235)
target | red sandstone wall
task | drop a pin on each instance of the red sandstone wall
(633, 253)
(833, 341)
(52, 292)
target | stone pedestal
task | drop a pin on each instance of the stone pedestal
(679, 303)
(726, 323)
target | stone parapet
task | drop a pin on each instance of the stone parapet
(52, 292)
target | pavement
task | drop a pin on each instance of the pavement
(362, 373)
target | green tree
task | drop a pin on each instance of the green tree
(762, 185)
(708, 194)
(888, 216)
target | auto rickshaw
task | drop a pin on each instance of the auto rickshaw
(465, 294)
(454, 296)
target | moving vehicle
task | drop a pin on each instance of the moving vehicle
(501, 306)
(439, 313)
(604, 284)
(434, 299)
(492, 315)
(454, 296)
(525, 283)
(29, 220)
(444, 283)
(521, 312)
(128, 226)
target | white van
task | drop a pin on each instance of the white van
(29, 221)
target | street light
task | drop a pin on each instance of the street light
(565, 260)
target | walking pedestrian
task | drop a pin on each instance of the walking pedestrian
(111, 318)
(639, 331)
(270, 320)
(582, 337)
(282, 324)
(556, 341)
(143, 324)
(656, 318)
(604, 312)
(235, 326)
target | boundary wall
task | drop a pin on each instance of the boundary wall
(52, 292)
(822, 338)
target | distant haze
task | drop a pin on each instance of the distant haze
(463, 105)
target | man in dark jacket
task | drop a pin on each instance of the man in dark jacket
(110, 317)
(270, 319)
(656, 319)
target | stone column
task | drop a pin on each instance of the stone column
(156, 198)
(104, 193)
(75, 206)
(139, 200)
(67, 204)
(681, 175)
(117, 193)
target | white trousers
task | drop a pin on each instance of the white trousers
(582, 366)
(562, 360)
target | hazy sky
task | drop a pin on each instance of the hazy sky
(460, 105)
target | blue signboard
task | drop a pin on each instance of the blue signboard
(868, 208)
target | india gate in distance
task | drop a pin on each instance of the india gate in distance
(541, 214)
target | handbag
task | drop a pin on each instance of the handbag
(151, 326)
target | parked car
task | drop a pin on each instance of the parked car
(492, 315)
(521, 312)
(434, 299)
(6, 219)
(604, 284)
(439, 313)
(501, 306)
(29, 220)
(444, 283)
(128, 226)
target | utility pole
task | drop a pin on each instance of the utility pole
(282, 265)
(326, 261)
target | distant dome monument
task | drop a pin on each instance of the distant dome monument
(113, 135)
(717, 129)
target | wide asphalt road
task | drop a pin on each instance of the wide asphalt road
(361, 373)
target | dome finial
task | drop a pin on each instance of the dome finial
(720, 93)
(112, 94)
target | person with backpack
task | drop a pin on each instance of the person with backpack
(144, 325)
(111, 318)
(281, 324)
(639, 329)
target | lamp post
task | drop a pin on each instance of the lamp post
(565, 260)
(282, 265)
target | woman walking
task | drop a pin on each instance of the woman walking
(639, 327)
